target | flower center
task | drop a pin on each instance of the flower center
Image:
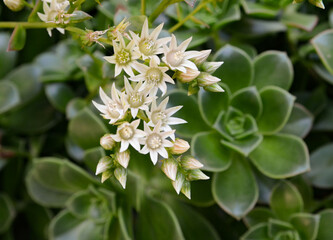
(113, 110)
(123, 57)
(175, 58)
(157, 116)
(146, 46)
(154, 141)
(127, 132)
(135, 100)
(154, 76)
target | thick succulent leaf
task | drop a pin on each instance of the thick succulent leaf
(324, 121)
(125, 222)
(92, 156)
(259, 10)
(235, 189)
(233, 14)
(259, 231)
(9, 96)
(286, 200)
(248, 101)
(299, 20)
(277, 227)
(277, 106)
(281, 156)
(189, 112)
(7, 212)
(74, 107)
(7, 59)
(258, 215)
(17, 39)
(299, 122)
(273, 68)
(237, 70)
(86, 129)
(244, 146)
(306, 224)
(59, 95)
(321, 167)
(211, 104)
(201, 194)
(207, 148)
(323, 45)
(325, 225)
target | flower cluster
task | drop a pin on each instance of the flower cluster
(143, 121)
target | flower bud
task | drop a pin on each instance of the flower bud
(317, 3)
(14, 5)
(211, 67)
(202, 57)
(103, 164)
(169, 167)
(205, 79)
(107, 142)
(189, 162)
(187, 77)
(196, 174)
(121, 174)
(106, 175)
(193, 88)
(214, 88)
(178, 183)
(180, 146)
(186, 189)
(123, 158)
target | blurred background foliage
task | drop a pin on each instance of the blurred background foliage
(258, 140)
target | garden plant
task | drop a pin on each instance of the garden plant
(166, 119)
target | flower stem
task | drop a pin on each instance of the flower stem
(143, 7)
(163, 5)
(28, 24)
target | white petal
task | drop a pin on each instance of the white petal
(144, 150)
(153, 157)
(174, 121)
(163, 152)
(135, 144)
(124, 146)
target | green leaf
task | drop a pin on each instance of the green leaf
(85, 129)
(286, 200)
(319, 68)
(74, 107)
(233, 14)
(235, 189)
(201, 194)
(7, 212)
(277, 227)
(257, 232)
(166, 225)
(281, 156)
(322, 44)
(325, 225)
(324, 121)
(237, 70)
(299, 122)
(92, 157)
(248, 101)
(38, 219)
(244, 146)
(190, 112)
(73, 150)
(59, 95)
(322, 167)
(79, 16)
(277, 107)
(258, 215)
(17, 39)
(7, 59)
(206, 147)
(302, 21)
(211, 104)
(259, 10)
(9, 96)
(306, 224)
(125, 230)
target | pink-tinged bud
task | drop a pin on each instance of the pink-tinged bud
(189, 162)
(211, 67)
(196, 174)
(186, 189)
(103, 164)
(205, 79)
(121, 174)
(180, 146)
(106, 175)
(214, 88)
(123, 158)
(202, 57)
(169, 167)
(178, 183)
(107, 142)
(189, 76)
(14, 5)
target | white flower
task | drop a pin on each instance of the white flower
(201, 58)
(124, 57)
(135, 98)
(113, 108)
(159, 114)
(123, 158)
(127, 133)
(147, 44)
(180, 146)
(153, 77)
(176, 57)
(104, 164)
(170, 167)
(107, 142)
(206, 79)
(155, 142)
(178, 183)
(189, 162)
(121, 175)
(54, 13)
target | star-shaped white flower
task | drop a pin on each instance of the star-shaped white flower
(160, 114)
(124, 57)
(113, 108)
(155, 142)
(148, 46)
(153, 77)
(177, 58)
(128, 134)
(135, 98)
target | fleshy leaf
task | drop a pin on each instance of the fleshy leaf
(7, 59)
(244, 146)
(258, 215)
(325, 225)
(306, 224)
(259, 231)
(59, 95)
(323, 45)
(7, 212)
(17, 39)
(9, 96)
